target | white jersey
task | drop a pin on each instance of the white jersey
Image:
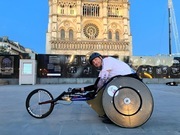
(112, 67)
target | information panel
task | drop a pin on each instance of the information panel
(9, 66)
(65, 66)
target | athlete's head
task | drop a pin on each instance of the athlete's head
(95, 59)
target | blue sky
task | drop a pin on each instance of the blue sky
(26, 22)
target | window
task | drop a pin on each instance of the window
(71, 10)
(71, 35)
(114, 11)
(110, 35)
(61, 10)
(91, 10)
(62, 34)
(91, 31)
(117, 36)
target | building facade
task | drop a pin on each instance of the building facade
(84, 26)
(8, 46)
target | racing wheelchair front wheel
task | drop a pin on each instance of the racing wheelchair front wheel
(35, 105)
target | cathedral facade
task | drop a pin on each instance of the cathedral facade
(80, 27)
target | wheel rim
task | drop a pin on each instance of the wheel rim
(127, 101)
(37, 110)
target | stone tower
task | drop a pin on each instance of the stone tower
(80, 27)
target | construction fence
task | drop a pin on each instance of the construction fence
(77, 66)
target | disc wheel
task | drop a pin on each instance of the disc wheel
(39, 110)
(127, 102)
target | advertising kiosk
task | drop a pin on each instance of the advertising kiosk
(27, 71)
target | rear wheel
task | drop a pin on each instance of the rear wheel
(33, 105)
(127, 102)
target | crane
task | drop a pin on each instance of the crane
(173, 26)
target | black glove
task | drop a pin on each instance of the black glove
(90, 95)
(76, 90)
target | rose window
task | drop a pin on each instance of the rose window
(91, 31)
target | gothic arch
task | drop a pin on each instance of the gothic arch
(66, 24)
(115, 28)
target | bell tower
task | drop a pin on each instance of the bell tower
(83, 26)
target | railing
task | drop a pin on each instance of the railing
(87, 45)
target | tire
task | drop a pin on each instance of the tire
(34, 108)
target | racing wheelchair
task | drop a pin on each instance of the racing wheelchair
(126, 101)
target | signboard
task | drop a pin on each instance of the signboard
(65, 66)
(9, 66)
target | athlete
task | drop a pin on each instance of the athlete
(109, 67)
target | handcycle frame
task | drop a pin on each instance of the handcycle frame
(114, 99)
(94, 102)
(69, 97)
(45, 106)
